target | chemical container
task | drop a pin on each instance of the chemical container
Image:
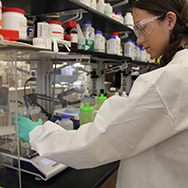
(71, 29)
(128, 48)
(100, 100)
(112, 45)
(65, 122)
(56, 30)
(100, 6)
(14, 19)
(119, 50)
(99, 45)
(89, 35)
(86, 114)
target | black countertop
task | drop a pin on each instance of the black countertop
(69, 178)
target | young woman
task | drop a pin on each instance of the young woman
(148, 131)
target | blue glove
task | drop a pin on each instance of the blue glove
(25, 125)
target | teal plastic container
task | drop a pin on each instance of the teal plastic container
(86, 114)
(100, 100)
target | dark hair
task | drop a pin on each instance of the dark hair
(161, 7)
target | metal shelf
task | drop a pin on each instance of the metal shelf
(99, 20)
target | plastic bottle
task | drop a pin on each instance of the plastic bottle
(89, 34)
(99, 45)
(93, 4)
(112, 45)
(124, 94)
(41, 31)
(116, 94)
(56, 30)
(128, 20)
(85, 2)
(109, 10)
(100, 100)
(100, 6)
(142, 54)
(71, 29)
(137, 52)
(128, 48)
(134, 50)
(119, 17)
(30, 27)
(14, 19)
(118, 42)
(86, 114)
(65, 122)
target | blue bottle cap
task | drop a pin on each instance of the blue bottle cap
(137, 45)
(98, 32)
(118, 13)
(112, 37)
(133, 42)
(128, 40)
(87, 22)
(65, 116)
(142, 49)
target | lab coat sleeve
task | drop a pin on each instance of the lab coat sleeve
(123, 127)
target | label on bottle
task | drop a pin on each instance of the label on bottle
(74, 38)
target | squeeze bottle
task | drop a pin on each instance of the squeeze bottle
(100, 100)
(86, 114)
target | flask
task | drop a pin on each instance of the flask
(99, 45)
(100, 100)
(118, 42)
(65, 122)
(86, 114)
(128, 48)
(71, 29)
(89, 35)
(112, 45)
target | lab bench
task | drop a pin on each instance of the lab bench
(69, 178)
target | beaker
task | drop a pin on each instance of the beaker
(33, 113)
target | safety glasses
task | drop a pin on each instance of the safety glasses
(144, 27)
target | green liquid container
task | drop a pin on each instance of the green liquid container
(100, 100)
(86, 114)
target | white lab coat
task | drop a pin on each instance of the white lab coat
(148, 132)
